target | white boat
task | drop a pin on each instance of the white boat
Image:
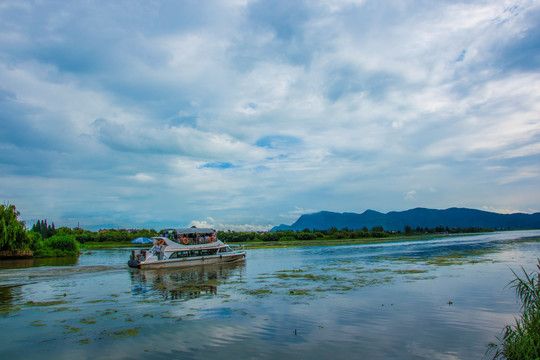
(183, 248)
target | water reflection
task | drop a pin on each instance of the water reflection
(36, 262)
(9, 296)
(174, 284)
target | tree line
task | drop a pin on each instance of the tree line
(345, 233)
(47, 240)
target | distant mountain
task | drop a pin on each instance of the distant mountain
(419, 217)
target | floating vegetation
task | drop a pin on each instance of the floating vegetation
(71, 329)
(122, 333)
(376, 270)
(259, 292)
(410, 271)
(305, 276)
(290, 271)
(101, 301)
(8, 309)
(37, 323)
(45, 303)
(64, 308)
(298, 292)
(84, 342)
(149, 301)
(109, 312)
(89, 320)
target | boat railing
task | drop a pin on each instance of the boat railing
(196, 241)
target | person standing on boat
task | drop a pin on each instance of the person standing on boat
(158, 252)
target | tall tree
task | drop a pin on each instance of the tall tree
(12, 231)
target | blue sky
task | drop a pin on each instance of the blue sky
(245, 114)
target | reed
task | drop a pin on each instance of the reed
(522, 341)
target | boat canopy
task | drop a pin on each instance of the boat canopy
(187, 231)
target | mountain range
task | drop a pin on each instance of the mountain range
(418, 217)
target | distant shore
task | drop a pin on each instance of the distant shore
(336, 242)
(295, 243)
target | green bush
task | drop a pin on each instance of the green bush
(36, 241)
(63, 242)
(58, 245)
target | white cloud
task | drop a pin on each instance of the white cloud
(234, 111)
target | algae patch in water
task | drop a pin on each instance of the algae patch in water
(8, 309)
(71, 329)
(100, 301)
(64, 308)
(45, 303)
(122, 333)
(299, 292)
(37, 323)
(410, 271)
(89, 320)
(304, 276)
(259, 292)
(109, 312)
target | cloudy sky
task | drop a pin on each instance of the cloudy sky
(244, 114)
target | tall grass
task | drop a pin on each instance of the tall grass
(522, 341)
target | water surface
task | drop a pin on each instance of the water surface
(443, 298)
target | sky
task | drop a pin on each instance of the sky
(246, 114)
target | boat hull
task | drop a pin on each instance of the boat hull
(189, 261)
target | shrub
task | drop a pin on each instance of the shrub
(36, 242)
(63, 242)
(58, 245)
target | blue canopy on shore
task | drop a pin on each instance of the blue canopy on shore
(141, 240)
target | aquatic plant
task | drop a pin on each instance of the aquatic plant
(522, 341)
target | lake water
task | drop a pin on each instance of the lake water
(444, 298)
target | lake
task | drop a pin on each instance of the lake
(443, 298)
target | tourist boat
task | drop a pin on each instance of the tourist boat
(183, 248)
